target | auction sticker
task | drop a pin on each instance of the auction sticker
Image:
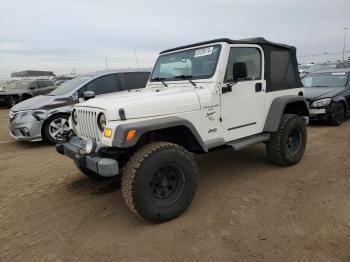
(204, 51)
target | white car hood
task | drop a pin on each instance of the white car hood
(147, 102)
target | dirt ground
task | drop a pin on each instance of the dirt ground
(246, 209)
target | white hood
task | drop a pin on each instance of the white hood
(146, 102)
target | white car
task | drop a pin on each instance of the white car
(199, 97)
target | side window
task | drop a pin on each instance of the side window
(102, 85)
(250, 56)
(49, 83)
(134, 80)
(41, 84)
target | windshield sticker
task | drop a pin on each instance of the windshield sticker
(338, 74)
(204, 51)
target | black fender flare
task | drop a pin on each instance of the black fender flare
(278, 107)
(142, 127)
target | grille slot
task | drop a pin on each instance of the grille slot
(87, 123)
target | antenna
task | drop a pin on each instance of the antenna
(137, 61)
(106, 63)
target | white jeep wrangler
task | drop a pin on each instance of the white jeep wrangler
(219, 93)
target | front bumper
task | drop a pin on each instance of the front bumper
(26, 130)
(74, 149)
(320, 113)
(5, 100)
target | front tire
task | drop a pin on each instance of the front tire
(338, 114)
(286, 146)
(159, 181)
(54, 127)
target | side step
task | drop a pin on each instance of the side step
(242, 143)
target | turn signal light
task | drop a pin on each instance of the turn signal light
(131, 134)
(108, 132)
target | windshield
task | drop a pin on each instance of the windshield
(196, 63)
(325, 80)
(315, 68)
(69, 86)
(17, 85)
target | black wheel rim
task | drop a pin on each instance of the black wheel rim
(167, 184)
(339, 114)
(294, 141)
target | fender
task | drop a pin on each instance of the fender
(341, 99)
(278, 107)
(152, 125)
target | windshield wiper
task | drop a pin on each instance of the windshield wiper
(186, 77)
(161, 79)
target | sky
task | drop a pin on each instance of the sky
(78, 35)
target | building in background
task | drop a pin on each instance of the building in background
(32, 73)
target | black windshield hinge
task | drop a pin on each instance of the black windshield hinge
(122, 114)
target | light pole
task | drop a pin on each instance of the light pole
(345, 31)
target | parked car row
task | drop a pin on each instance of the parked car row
(13, 92)
(216, 94)
(46, 117)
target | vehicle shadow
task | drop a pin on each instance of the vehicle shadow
(32, 145)
(224, 164)
(227, 163)
(94, 186)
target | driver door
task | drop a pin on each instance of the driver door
(242, 107)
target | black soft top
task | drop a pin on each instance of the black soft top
(281, 67)
(254, 40)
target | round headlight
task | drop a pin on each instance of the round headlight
(101, 121)
(90, 146)
(75, 116)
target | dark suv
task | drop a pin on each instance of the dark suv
(328, 93)
(20, 90)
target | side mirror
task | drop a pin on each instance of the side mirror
(32, 88)
(239, 70)
(88, 95)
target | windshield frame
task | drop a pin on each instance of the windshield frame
(347, 74)
(153, 79)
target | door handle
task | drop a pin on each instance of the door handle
(258, 87)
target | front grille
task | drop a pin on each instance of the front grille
(87, 123)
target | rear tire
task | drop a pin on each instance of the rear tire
(286, 146)
(159, 181)
(12, 102)
(337, 115)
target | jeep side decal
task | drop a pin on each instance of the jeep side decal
(212, 130)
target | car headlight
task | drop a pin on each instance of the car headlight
(19, 114)
(101, 121)
(75, 116)
(12, 116)
(321, 102)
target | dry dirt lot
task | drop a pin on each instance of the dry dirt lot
(246, 209)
